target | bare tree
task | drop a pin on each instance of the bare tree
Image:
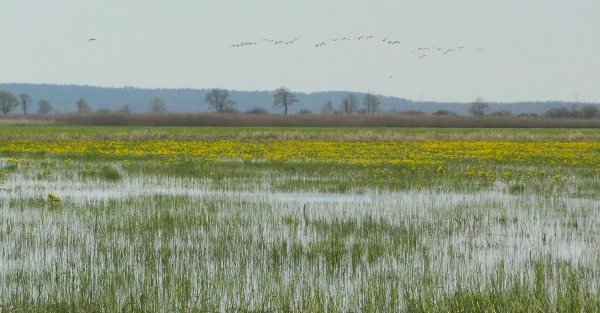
(328, 108)
(219, 100)
(44, 107)
(283, 98)
(157, 105)
(83, 107)
(8, 101)
(349, 104)
(371, 103)
(25, 101)
(478, 107)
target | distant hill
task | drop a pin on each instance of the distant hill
(64, 97)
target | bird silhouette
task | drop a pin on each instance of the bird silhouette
(94, 39)
(424, 55)
(318, 45)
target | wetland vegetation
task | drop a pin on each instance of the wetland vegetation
(117, 219)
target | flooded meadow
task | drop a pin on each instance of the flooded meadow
(85, 233)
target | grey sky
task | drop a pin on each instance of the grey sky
(534, 50)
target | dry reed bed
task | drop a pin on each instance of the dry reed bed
(296, 120)
(318, 120)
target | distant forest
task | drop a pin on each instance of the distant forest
(63, 99)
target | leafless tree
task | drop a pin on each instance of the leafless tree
(283, 98)
(8, 101)
(328, 108)
(371, 103)
(44, 107)
(219, 100)
(25, 101)
(157, 105)
(83, 107)
(349, 104)
(478, 107)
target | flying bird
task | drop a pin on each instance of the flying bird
(94, 39)
(318, 45)
(424, 55)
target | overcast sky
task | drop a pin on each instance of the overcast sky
(532, 50)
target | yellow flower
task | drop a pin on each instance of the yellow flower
(53, 197)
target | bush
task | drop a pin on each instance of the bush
(589, 111)
(562, 112)
(501, 113)
(305, 111)
(257, 110)
(229, 110)
(444, 112)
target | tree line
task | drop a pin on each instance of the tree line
(220, 101)
(9, 101)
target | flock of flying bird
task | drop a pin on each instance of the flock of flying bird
(421, 50)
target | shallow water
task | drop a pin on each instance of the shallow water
(460, 237)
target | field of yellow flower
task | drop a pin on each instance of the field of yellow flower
(428, 152)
